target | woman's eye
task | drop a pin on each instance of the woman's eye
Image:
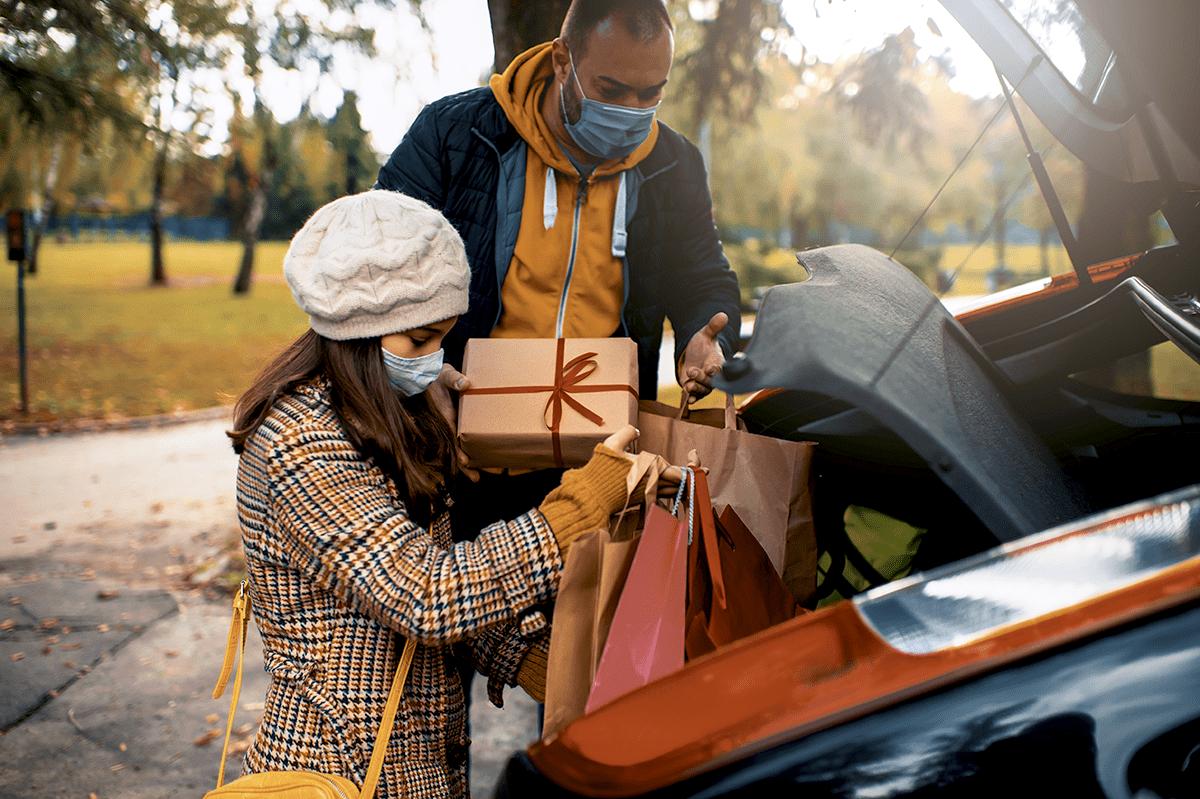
(417, 342)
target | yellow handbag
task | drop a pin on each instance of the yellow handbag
(296, 784)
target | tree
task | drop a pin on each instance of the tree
(518, 25)
(65, 67)
(193, 35)
(881, 93)
(359, 165)
(289, 40)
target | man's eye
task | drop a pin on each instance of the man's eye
(648, 96)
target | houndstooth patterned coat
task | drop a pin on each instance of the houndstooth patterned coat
(339, 575)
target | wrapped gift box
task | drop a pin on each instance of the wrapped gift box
(540, 403)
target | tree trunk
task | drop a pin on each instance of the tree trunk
(42, 218)
(158, 272)
(251, 226)
(518, 25)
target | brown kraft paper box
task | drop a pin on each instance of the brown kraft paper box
(541, 403)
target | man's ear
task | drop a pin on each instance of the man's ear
(560, 58)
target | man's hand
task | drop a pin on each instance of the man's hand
(439, 391)
(702, 359)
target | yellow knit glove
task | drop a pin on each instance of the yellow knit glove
(587, 496)
(531, 675)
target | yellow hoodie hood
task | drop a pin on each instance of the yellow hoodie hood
(520, 90)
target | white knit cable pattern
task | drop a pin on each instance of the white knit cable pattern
(377, 263)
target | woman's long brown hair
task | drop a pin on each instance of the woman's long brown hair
(406, 437)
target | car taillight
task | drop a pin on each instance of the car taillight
(1040, 575)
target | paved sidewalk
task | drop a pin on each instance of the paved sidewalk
(107, 657)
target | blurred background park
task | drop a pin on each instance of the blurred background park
(165, 151)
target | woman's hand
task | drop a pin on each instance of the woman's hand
(439, 391)
(621, 440)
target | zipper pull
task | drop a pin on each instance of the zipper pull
(581, 195)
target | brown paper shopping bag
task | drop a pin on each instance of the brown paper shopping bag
(767, 481)
(593, 577)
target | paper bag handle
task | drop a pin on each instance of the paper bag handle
(708, 532)
(730, 411)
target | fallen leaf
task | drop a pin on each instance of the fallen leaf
(19, 539)
(156, 507)
(207, 738)
(253, 706)
(108, 593)
(17, 656)
(7, 624)
(50, 525)
(15, 600)
(70, 664)
(117, 767)
(46, 650)
(47, 624)
(171, 653)
(243, 730)
(102, 628)
(122, 747)
(239, 747)
(66, 630)
(52, 639)
(212, 718)
(68, 647)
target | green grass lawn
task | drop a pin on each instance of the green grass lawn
(103, 345)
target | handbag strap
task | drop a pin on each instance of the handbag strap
(235, 646)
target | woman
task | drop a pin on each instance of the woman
(342, 496)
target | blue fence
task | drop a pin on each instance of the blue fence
(198, 228)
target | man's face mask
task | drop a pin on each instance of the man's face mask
(411, 376)
(604, 130)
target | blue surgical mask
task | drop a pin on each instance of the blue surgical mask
(606, 131)
(411, 376)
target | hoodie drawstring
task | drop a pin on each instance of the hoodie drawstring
(618, 235)
(550, 201)
(550, 211)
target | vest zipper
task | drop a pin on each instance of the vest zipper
(580, 199)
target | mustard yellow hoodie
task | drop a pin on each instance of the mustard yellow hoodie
(564, 278)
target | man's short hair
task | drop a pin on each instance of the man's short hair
(643, 19)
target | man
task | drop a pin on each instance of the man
(583, 216)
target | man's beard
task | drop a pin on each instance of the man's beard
(572, 107)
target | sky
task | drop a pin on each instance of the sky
(394, 86)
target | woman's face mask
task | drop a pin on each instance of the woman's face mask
(604, 130)
(411, 376)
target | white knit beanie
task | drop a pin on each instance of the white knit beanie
(377, 263)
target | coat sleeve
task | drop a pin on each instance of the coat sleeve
(339, 522)
(698, 262)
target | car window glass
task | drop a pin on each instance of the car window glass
(1073, 46)
(1163, 371)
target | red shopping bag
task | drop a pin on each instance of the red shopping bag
(733, 590)
(645, 639)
